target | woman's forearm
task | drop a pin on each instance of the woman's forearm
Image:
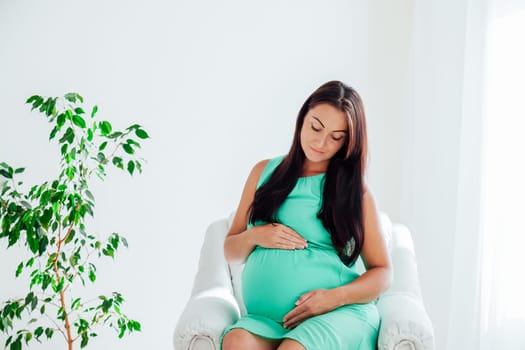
(365, 288)
(237, 247)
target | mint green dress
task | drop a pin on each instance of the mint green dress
(273, 279)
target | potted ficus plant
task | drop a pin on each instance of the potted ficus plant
(49, 221)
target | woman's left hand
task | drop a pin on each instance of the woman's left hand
(315, 302)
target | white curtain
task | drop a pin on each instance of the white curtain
(502, 305)
(488, 287)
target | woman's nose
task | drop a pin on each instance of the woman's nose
(321, 142)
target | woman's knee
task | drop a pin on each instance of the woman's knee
(240, 339)
(290, 344)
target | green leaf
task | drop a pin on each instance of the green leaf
(5, 174)
(117, 161)
(122, 331)
(34, 303)
(37, 104)
(114, 240)
(63, 149)
(58, 287)
(76, 304)
(108, 251)
(92, 275)
(133, 127)
(101, 157)
(19, 170)
(90, 135)
(105, 127)
(131, 167)
(79, 121)
(94, 111)
(136, 326)
(46, 217)
(38, 332)
(68, 136)
(29, 297)
(89, 195)
(9, 339)
(44, 106)
(141, 134)
(16, 345)
(49, 333)
(19, 269)
(133, 142)
(32, 240)
(103, 146)
(53, 133)
(34, 98)
(115, 135)
(84, 341)
(42, 245)
(79, 110)
(50, 106)
(28, 337)
(128, 148)
(14, 235)
(106, 305)
(61, 120)
(70, 237)
(72, 97)
(70, 172)
(46, 281)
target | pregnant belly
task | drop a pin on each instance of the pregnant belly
(273, 279)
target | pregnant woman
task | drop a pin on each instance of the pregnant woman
(303, 220)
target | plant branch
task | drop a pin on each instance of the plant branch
(57, 326)
(77, 272)
(62, 295)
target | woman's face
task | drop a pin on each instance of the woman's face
(323, 132)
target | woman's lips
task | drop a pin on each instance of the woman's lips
(316, 151)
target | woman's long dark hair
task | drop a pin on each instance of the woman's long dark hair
(342, 210)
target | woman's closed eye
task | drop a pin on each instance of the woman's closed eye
(315, 129)
(333, 137)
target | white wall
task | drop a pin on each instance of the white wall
(218, 86)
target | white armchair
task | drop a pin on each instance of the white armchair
(216, 298)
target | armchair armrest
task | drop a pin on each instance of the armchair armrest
(204, 318)
(404, 324)
(404, 321)
(212, 305)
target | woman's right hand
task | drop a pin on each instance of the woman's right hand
(278, 236)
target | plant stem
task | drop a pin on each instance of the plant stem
(62, 296)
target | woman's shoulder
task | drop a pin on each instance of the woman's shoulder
(263, 168)
(261, 165)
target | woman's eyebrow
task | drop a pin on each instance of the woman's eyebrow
(324, 126)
